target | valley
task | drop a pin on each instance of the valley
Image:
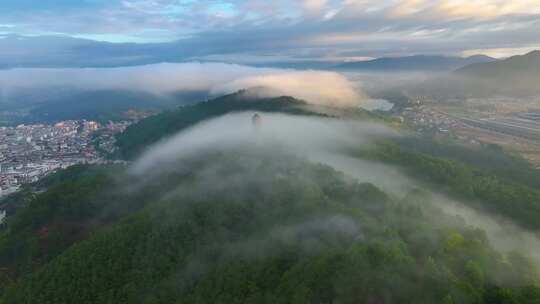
(207, 195)
(269, 152)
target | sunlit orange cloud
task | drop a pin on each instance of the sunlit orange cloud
(502, 52)
(316, 87)
(488, 8)
(408, 7)
(340, 37)
(358, 36)
(464, 8)
(353, 7)
(314, 5)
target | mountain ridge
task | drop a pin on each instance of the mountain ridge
(150, 130)
(514, 64)
(415, 62)
(312, 237)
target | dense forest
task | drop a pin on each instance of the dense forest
(139, 136)
(260, 223)
(487, 177)
(267, 228)
(499, 188)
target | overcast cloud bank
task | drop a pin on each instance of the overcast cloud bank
(317, 87)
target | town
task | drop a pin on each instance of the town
(30, 152)
(514, 127)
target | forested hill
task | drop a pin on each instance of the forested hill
(275, 229)
(258, 222)
(148, 131)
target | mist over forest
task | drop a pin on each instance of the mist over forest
(265, 185)
(248, 151)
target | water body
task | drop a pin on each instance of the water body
(378, 105)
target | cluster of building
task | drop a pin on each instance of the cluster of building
(29, 152)
(105, 137)
(427, 120)
(511, 129)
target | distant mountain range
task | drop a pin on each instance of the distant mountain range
(415, 63)
(61, 52)
(67, 52)
(522, 64)
(517, 76)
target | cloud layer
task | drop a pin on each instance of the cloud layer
(320, 140)
(272, 30)
(317, 87)
(322, 88)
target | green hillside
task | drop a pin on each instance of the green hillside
(495, 190)
(148, 131)
(261, 224)
(274, 229)
(139, 136)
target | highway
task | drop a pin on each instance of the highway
(513, 129)
(518, 127)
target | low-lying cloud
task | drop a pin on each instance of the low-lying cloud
(320, 140)
(503, 234)
(317, 87)
(323, 88)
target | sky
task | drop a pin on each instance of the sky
(276, 30)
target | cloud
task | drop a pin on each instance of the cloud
(502, 52)
(487, 8)
(314, 6)
(503, 234)
(301, 28)
(324, 88)
(319, 140)
(464, 8)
